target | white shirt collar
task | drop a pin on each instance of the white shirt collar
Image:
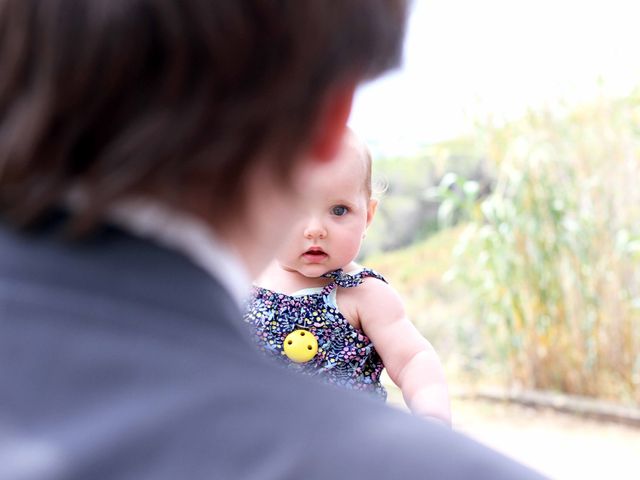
(189, 235)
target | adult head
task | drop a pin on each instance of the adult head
(207, 106)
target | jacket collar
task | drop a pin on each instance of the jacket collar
(186, 234)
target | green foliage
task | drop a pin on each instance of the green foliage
(406, 214)
(552, 255)
(457, 197)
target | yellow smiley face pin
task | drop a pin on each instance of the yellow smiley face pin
(300, 346)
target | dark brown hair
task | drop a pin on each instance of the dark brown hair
(156, 96)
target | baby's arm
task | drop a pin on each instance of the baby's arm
(409, 358)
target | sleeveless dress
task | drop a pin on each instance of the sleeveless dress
(345, 356)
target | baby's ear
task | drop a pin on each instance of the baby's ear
(371, 210)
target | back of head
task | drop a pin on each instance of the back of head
(169, 98)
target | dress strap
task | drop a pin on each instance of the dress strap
(346, 280)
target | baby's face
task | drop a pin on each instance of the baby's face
(329, 234)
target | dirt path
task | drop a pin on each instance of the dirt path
(559, 445)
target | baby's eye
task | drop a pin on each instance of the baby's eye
(339, 210)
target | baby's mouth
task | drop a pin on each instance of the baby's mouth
(314, 254)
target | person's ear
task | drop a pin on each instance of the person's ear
(371, 210)
(332, 122)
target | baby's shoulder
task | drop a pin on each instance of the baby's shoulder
(373, 285)
(373, 301)
(357, 273)
(373, 288)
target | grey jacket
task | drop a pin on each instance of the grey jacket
(122, 360)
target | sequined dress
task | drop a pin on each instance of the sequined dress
(345, 356)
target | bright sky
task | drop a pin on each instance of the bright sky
(468, 58)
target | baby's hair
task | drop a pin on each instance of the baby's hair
(379, 187)
(375, 185)
(368, 160)
(372, 188)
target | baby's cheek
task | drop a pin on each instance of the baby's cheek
(352, 245)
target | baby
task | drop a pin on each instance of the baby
(318, 311)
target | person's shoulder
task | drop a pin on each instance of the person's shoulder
(393, 444)
(365, 438)
(251, 419)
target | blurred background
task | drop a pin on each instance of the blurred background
(507, 161)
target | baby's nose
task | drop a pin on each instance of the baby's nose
(315, 229)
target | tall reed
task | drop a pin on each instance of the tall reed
(552, 255)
